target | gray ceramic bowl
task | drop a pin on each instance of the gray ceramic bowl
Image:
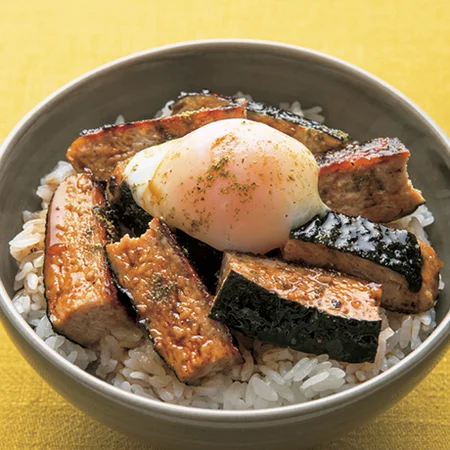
(137, 86)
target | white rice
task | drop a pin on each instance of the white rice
(268, 376)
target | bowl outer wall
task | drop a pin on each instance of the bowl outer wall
(271, 72)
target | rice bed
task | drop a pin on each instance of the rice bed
(269, 376)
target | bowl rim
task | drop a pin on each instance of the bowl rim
(188, 413)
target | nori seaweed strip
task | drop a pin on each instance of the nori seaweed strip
(126, 210)
(394, 249)
(205, 259)
(261, 314)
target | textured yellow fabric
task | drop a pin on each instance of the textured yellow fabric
(45, 43)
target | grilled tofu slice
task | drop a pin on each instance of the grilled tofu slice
(172, 302)
(82, 302)
(308, 309)
(407, 269)
(369, 180)
(99, 151)
(317, 137)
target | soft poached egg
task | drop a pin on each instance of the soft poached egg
(234, 184)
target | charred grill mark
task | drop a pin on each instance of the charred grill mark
(164, 132)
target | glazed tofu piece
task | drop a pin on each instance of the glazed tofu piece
(82, 301)
(318, 138)
(368, 180)
(308, 309)
(407, 269)
(172, 302)
(99, 151)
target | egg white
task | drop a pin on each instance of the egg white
(234, 184)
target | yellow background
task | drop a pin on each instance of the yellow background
(46, 43)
